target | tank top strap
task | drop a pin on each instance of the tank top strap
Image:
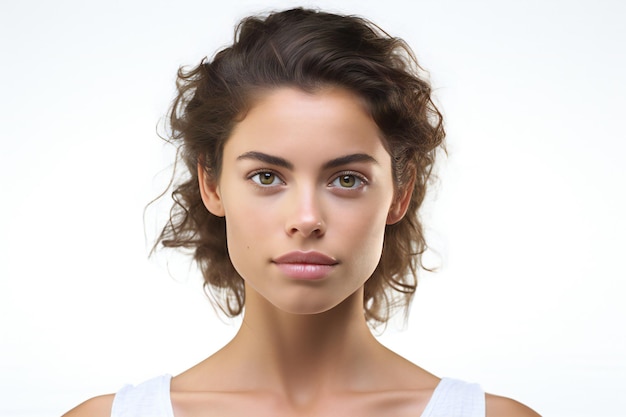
(454, 398)
(150, 398)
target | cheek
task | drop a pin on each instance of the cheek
(240, 246)
(248, 228)
(362, 232)
(244, 229)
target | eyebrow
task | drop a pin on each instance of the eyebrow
(282, 162)
(268, 159)
(344, 160)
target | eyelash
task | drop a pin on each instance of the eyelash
(358, 177)
(264, 171)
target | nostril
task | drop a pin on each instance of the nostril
(306, 229)
(305, 211)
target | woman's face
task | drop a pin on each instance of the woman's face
(306, 190)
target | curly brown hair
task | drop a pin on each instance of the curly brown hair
(307, 49)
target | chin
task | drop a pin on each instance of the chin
(319, 305)
(306, 310)
(307, 307)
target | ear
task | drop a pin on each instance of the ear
(210, 193)
(401, 204)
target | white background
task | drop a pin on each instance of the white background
(528, 216)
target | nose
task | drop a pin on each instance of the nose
(305, 216)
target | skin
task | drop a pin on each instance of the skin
(304, 348)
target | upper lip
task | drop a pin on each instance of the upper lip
(312, 257)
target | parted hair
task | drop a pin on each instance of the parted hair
(309, 50)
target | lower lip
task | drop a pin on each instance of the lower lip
(308, 272)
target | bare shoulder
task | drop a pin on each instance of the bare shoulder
(95, 407)
(505, 407)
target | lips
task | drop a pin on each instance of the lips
(315, 258)
(305, 265)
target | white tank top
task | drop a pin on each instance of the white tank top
(451, 398)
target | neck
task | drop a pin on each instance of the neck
(305, 355)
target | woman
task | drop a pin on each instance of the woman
(309, 144)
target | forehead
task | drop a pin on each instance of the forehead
(291, 120)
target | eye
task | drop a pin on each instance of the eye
(265, 178)
(347, 180)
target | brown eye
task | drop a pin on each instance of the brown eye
(347, 181)
(266, 178)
